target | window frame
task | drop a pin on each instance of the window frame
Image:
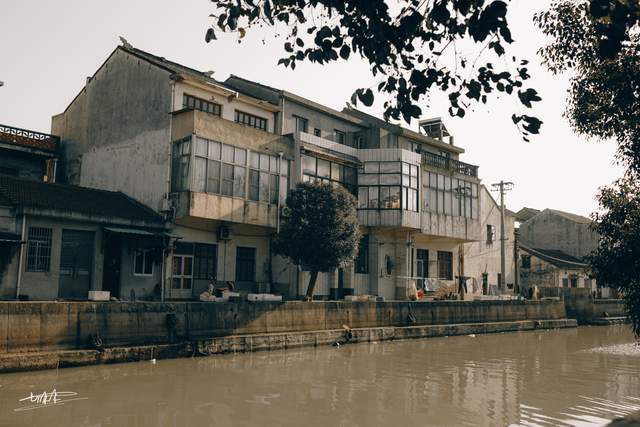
(251, 120)
(39, 240)
(445, 265)
(244, 261)
(181, 277)
(214, 105)
(145, 253)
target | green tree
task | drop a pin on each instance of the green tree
(319, 230)
(616, 261)
(599, 44)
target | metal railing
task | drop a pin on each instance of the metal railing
(29, 138)
(449, 164)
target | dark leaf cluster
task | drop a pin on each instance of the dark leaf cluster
(403, 48)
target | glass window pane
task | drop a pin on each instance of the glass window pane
(200, 174)
(441, 182)
(308, 164)
(447, 183)
(371, 167)
(148, 262)
(240, 156)
(214, 150)
(390, 179)
(363, 197)
(264, 162)
(406, 169)
(385, 200)
(177, 265)
(394, 197)
(238, 181)
(414, 182)
(405, 180)
(369, 179)
(137, 269)
(474, 190)
(227, 153)
(227, 180)
(350, 175)
(264, 187)
(414, 170)
(390, 167)
(254, 185)
(447, 203)
(284, 167)
(254, 160)
(323, 168)
(273, 164)
(273, 189)
(186, 283)
(213, 177)
(336, 172)
(373, 198)
(187, 266)
(201, 147)
(186, 147)
(433, 180)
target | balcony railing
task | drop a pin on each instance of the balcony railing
(29, 138)
(446, 163)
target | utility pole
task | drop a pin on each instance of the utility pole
(503, 187)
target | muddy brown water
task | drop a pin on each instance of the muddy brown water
(572, 377)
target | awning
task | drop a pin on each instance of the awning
(6, 237)
(131, 231)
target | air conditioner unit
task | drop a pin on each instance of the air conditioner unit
(224, 232)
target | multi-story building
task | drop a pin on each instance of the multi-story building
(217, 158)
(28, 154)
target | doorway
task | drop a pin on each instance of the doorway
(76, 260)
(112, 266)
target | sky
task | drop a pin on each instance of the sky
(47, 49)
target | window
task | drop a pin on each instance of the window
(182, 271)
(222, 169)
(317, 132)
(574, 282)
(565, 282)
(389, 185)
(450, 196)
(445, 265)
(245, 264)
(143, 262)
(491, 234)
(339, 137)
(251, 120)
(362, 260)
(324, 171)
(189, 101)
(422, 263)
(180, 167)
(302, 124)
(525, 261)
(205, 261)
(39, 249)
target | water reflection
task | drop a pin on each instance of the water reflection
(577, 377)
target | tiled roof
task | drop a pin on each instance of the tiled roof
(36, 194)
(556, 257)
(526, 213)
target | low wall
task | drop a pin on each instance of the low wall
(47, 326)
(581, 306)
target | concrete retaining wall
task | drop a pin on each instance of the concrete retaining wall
(581, 306)
(48, 326)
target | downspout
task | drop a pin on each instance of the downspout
(21, 258)
(163, 279)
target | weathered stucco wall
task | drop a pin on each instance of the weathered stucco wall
(481, 257)
(550, 230)
(26, 327)
(115, 134)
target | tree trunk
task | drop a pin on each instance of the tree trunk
(312, 285)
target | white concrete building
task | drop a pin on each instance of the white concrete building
(217, 158)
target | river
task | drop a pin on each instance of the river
(571, 377)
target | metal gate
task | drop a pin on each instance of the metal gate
(76, 260)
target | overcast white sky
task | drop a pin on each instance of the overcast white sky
(47, 49)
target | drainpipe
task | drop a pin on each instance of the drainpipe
(55, 171)
(21, 258)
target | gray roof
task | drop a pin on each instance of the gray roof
(571, 217)
(526, 213)
(557, 257)
(19, 192)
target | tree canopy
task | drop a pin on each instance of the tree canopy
(320, 230)
(598, 42)
(410, 45)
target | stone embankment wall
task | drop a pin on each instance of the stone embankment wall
(54, 326)
(581, 306)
